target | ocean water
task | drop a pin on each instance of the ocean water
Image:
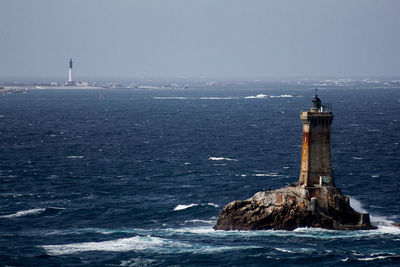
(139, 178)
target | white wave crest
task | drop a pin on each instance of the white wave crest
(182, 207)
(281, 96)
(384, 224)
(212, 204)
(222, 158)
(380, 257)
(170, 97)
(138, 243)
(75, 157)
(24, 213)
(218, 98)
(123, 244)
(256, 96)
(355, 204)
(284, 250)
(200, 221)
(138, 262)
(272, 174)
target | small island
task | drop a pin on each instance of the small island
(314, 201)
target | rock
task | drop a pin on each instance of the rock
(291, 207)
(396, 224)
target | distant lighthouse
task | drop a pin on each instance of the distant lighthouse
(70, 71)
(316, 162)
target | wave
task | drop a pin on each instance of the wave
(138, 262)
(75, 157)
(218, 98)
(139, 243)
(222, 158)
(170, 97)
(272, 174)
(212, 204)
(383, 223)
(379, 256)
(200, 221)
(281, 96)
(123, 244)
(259, 96)
(199, 98)
(183, 207)
(24, 213)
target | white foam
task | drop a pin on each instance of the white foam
(170, 97)
(374, 258)
(138, 262)
(281, 96)
(355, 204)
(257, 96)
(217, 98)
(138, 243)
(357, 158)
(123, 244)
(284, 250)
(200, 221)
(212, 204)
(182, 207)
(272, 174)
(222, 158)
(24, 213)
(75, 157)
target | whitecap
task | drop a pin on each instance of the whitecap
(355, 204)
(284, 250)
(256, 96)
(75, 157)
(170, 97)
(357, 158)
(217, 98)
(138, 262)
(212, 204)
(118, 245)
(200, 221)
(222, 158)
(374, 258)
(272, 174)
(284, 96)
(182, 207)
(24, 213)
(139, 243)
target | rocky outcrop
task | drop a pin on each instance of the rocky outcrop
(291, 207)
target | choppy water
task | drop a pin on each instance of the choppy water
(140, 178)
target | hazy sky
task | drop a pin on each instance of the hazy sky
(211, 38)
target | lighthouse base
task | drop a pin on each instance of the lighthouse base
(292, 207)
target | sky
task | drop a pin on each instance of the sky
(200, 38)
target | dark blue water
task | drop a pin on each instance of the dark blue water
(141, 177)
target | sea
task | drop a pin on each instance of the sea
(138, 177)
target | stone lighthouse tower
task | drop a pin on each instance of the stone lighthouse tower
(316, 162)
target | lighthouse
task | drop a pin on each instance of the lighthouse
(70, 71)
(316, 161)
